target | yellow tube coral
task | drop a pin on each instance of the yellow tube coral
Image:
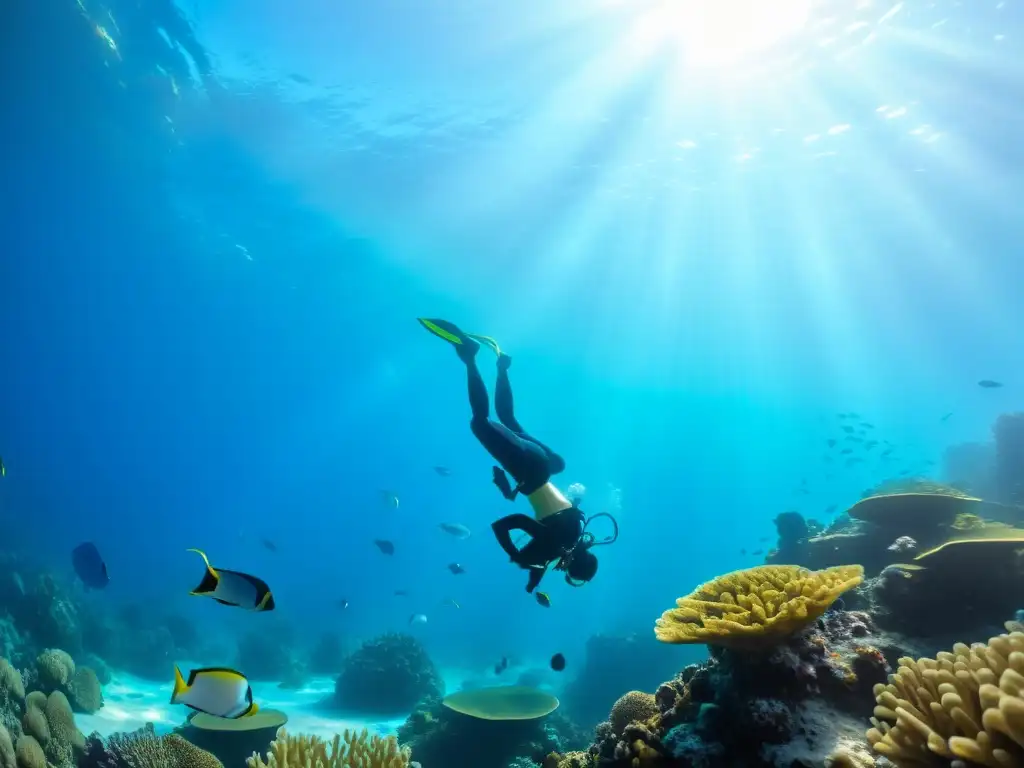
(755, 607)
(965, 705)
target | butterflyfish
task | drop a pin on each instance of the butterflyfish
(233, 588)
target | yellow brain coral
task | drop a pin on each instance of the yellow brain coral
(633, 707)
(350, 749)
(967, 705)
(755, 607)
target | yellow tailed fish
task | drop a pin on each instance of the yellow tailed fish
(241, 590)
(217, 691)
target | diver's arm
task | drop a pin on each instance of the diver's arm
(518, 522)
(500, 479)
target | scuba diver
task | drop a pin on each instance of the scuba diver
(558, 529)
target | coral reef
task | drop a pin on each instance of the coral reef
(350, 749)
(613, 665)
(439, 736)
(144, 749)
(966, 705)
(56, 671)
(796, 702)
(967, 583)
(391, 673)
(757, 606)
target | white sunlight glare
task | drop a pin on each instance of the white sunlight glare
(717, 33)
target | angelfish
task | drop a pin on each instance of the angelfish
(217, 691)
(233, 588)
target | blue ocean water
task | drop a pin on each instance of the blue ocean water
(221, 220)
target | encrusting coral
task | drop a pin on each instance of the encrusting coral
(756, 607)
(351, 749)
(967, 705)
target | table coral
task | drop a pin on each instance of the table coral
(351, 749)
(756, 607)
(965, 705)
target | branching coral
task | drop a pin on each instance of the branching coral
(633, 707)
(756, 607)
(350, 749)
(966, 705)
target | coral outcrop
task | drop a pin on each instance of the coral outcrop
(796, 702)
(391, 673)
(755, 607)
(351, 749)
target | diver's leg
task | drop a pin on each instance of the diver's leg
(478, 401)
(504, 405)
(503, 402)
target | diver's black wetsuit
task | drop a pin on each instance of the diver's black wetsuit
(531, 464)
(551, 538)
(527, 459)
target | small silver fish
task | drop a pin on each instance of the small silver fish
(458, 530)
(417, 618)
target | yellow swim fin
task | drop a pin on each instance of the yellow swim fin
(442, 329)
(210, 578)
(180, 686)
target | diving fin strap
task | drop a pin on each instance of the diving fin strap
(487, 341)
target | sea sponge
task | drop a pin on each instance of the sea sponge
(84, 691)
(632, 707)
(967, 705)
(350, 749)
(55, 669)
(755, 607)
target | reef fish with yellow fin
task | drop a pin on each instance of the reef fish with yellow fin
(217, 691)
(233, 588)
